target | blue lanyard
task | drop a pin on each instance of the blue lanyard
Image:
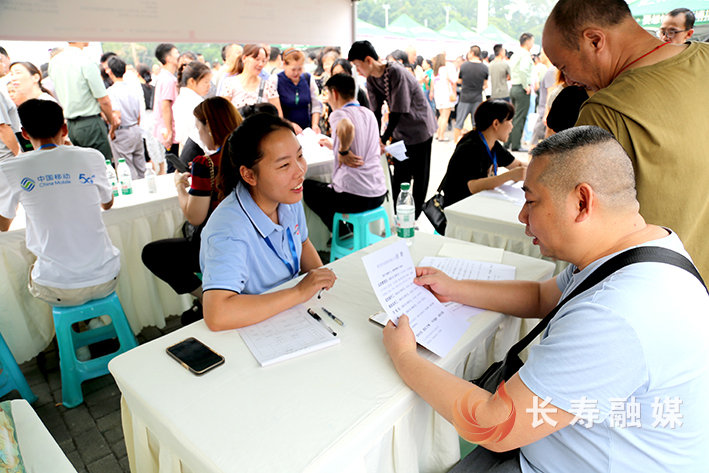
(293, 270)
(493, 156)
(48, 145)
(352, 104)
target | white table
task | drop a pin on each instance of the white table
(40, 452)
(134, 221)
(492, 222)
(343, 408)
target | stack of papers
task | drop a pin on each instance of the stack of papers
(286, 335)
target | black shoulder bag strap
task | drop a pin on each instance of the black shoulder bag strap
(506, 368)
(261, 86)
(641, 254)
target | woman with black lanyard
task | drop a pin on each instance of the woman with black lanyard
(474, 164)
(176, 260)
(257, 238)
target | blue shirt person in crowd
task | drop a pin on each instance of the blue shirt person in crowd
(257, 238)
(619, 379)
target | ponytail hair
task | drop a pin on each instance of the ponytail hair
(32, 69)
(244, 147)
(491, 110)
(191, 70)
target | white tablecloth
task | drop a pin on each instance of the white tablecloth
(343, 408)
(135, 220)
(40, 452)
(492, 222)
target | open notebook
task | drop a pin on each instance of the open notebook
(286, 335)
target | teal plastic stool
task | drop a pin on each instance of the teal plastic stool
(362, 237)
(74, 372)
(11, 377)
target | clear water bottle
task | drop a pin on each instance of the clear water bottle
(124, 177)
(150, 179)
(112, 178)
(405, 214)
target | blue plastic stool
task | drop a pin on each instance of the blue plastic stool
(74, 372)
(11, 377)
(361, 237)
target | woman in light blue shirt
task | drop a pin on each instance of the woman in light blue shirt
(257, 238)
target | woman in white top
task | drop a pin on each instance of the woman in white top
(27, 81)
(193, 79)
(243, 89)
(443, 90)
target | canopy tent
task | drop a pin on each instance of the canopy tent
(455, 30)
(330, 22)
(493, 35)
(428, 42)
(384, 41)
(649, 13)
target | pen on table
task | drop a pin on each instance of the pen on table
(317, 317)
(332, 316)
(321, 290)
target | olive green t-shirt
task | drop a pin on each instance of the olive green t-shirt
(660, 115)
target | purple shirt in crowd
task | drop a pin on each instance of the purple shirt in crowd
(368, 179)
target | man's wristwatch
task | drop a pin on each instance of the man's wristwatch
(344, 153)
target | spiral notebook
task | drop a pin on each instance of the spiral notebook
(287, 335)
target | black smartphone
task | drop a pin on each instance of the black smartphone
(179, 165)
(195, 356)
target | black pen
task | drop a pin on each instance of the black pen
(332, 316)
(317, 317)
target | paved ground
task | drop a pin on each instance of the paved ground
(91, 434)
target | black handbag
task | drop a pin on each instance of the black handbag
(248, 110)
(505, 369)
(433, 208)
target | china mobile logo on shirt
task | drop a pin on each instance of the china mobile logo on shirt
(468, 427)
(27, 184)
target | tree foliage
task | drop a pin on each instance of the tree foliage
(512, 17)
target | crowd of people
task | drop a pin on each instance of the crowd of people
(616, 159)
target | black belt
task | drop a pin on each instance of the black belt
(123, 127)
(78, 119)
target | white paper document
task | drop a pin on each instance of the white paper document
(397, 151)
(391, 272)
(472, 251)
(287, 335)
(508, 191)
(466, 269)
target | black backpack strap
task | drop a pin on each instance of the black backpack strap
(261, 86)
(641, 254)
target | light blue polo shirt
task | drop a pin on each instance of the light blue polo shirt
(639, 334)
(234, 255)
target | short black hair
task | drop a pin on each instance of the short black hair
(117, 66)
(360, 50)
(189, 55)
(497, 48)
(275, 52)
(344, 84)
(571, 17)
(106, 56)
(41, 119)
(475, 50)
(4, 52)
(524, 38)
(162, 51)
(688, 16)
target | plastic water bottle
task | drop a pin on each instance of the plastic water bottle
(112, 178)
(150, 179)
(124, 177)
(405, 214)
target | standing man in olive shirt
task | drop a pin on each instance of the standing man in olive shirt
(411, 119)
(83, 97)
(521, 66)
(652, 97)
